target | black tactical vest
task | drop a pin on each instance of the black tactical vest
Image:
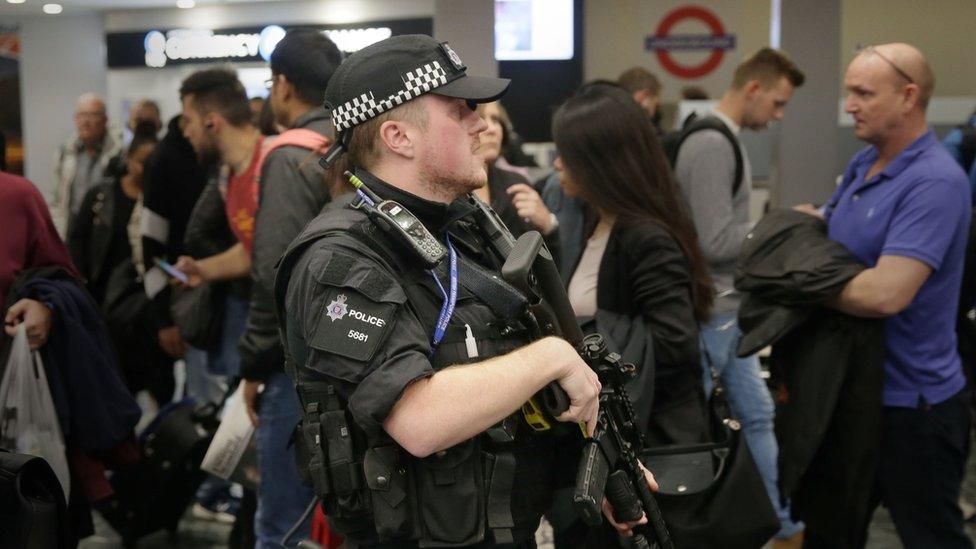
(490, 489)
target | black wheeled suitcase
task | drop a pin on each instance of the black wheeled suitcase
(154, 493)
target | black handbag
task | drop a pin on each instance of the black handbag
(711, 494)
(125, 298)
(199, 314)
(32, 509)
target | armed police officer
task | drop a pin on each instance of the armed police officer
(410, 368)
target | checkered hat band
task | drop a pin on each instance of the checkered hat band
(362, 108)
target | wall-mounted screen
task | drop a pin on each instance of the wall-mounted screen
(533, 30)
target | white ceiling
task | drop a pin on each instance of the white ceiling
(33, 7)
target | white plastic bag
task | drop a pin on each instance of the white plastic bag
(231, 439)
(28, 421)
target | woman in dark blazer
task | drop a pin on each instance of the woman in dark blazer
(641, 264)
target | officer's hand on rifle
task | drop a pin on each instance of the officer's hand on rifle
(626, 529)
(581, 384)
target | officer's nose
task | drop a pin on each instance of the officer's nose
(479, 125)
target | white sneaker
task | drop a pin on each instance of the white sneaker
(202, 513)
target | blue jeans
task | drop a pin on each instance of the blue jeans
(202, 385)
(282, 498)
(226, 361)
(209, 371)
(751, 403)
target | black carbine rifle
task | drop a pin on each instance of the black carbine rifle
(608, 465)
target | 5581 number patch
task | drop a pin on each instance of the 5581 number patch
(351, 325)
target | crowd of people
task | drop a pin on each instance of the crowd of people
(385, 363)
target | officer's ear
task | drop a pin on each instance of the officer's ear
(399, 138)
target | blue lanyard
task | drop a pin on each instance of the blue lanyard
(450, 299)
(364, 198)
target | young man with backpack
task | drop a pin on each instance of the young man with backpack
(287, 188)
(293, 190)
(716, 179)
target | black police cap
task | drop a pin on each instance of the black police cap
(391, 72)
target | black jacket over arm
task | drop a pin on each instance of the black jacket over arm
(829, 363)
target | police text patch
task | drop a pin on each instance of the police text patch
(351, 325)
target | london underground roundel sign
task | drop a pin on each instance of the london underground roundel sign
(663, 43)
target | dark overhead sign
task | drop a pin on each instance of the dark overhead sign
(160, 48)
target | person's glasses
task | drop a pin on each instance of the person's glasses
(872, 49)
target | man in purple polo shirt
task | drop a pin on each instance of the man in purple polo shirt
(903, 210)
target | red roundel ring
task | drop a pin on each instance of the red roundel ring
(673, 18)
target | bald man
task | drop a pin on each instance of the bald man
(80, 161)
(903, 209)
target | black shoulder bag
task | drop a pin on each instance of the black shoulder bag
(711, 494)
(199, 314)
(32, 509)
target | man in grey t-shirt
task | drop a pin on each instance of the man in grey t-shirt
(706, 171)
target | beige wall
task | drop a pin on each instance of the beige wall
(615, 30)
(469, 25)
(942, 29)
(614, 34)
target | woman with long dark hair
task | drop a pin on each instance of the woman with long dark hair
(641, 262)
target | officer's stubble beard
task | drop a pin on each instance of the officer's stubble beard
(451, 186)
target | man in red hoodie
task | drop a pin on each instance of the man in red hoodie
(28, 240)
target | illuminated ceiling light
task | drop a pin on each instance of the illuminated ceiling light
(185, 4)
(16, 1)
(52, 9)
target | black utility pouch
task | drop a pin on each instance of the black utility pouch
(451, 500)
(311, 451)
(347, 496)
(343, 469)
(387, 475)
(304, 458)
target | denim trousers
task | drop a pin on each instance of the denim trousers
(209, 371)
(282, 498)
(751, 404)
